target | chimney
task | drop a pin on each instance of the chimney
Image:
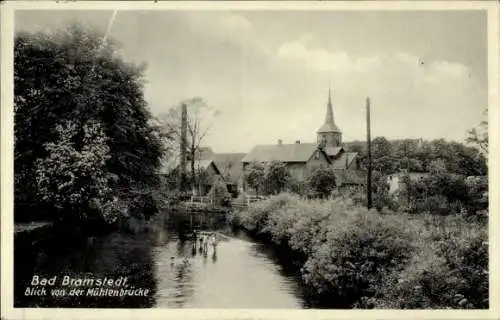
(297, 141)
(280, 142)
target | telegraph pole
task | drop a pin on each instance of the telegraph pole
(369, 145)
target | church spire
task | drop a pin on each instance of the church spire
(329, 125)
(329, 109)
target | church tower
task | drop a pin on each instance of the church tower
(329, 134)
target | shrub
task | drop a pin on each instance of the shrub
(321, 181)
(433, 204)
(219, 194)
(356, 257)
(254, 218)
(449, 269)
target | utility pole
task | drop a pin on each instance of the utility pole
(183, 142)
(369, 145)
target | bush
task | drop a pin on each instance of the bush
(219, 194)
(354, 257)
(434, 205)
(449, 270)
(321, 181)
(254, 218)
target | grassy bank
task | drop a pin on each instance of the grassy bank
(355, 258)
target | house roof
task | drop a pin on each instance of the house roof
(202, 164)
(297, 152)
(230, 165)
(344, 160)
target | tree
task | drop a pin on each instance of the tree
(479, 135)
(254, 175)
(437, 166)
(381, 147)
(199, 115)
(383, 158)
(321, 181)
(70, 75)
(74, 179)
(276, 177)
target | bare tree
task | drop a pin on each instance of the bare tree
(199, 115)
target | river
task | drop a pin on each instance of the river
(241, 273)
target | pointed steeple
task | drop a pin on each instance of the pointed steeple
(329, 125)
(329, 108)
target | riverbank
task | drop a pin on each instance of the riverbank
(351, 257)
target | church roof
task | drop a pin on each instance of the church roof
(333, 151)
(328, 127)
(297, 152)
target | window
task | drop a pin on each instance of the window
(316, 155)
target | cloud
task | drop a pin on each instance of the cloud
(220, 24)
(411, 96)
(320, 59)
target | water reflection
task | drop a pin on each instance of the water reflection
(236, 273)
(214, 256)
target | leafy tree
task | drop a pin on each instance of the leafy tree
(321, 181)
(74, 179)
(254, 175)
(437, 166)
(276, 177)
(479, 135)
(412, 164)
(381, 147)
(71, 75)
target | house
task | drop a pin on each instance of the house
(231, 169)
(395, 181)
(299, 158)
(207, 173)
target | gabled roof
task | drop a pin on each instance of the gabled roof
(202, 164)
(297, 152)
(230, 165)
(344, 160)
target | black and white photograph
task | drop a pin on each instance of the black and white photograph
(244, 156)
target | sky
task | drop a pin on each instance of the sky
(267, 73)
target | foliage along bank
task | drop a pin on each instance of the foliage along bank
(359, 258)
(85, 149)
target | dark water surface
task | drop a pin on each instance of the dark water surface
(239, 274)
